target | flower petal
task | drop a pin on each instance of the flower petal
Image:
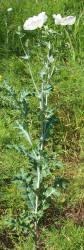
(57, 18)
(9, 9)
(69, 20)
(35, 22)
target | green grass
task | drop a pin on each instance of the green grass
(68, 134)
(68, 237)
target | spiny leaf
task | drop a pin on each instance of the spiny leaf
(24, 132)
(50, 191)
(57, 163)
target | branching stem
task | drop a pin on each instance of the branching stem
(29, 68)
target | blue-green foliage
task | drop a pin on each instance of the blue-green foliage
(38, 158)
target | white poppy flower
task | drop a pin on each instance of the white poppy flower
(59, 20)
(35, 22)
(9, 9)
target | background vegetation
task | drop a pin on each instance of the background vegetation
(62, 226)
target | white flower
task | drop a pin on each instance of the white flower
(35, 22)
(9, 9)
(59, 20)
(50, 58)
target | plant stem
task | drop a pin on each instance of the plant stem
(38, 185)
(36, 208)
(38, 168)
(29, 68)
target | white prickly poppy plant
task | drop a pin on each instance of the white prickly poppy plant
(37, 192)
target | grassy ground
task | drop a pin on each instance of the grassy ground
(63, 224)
